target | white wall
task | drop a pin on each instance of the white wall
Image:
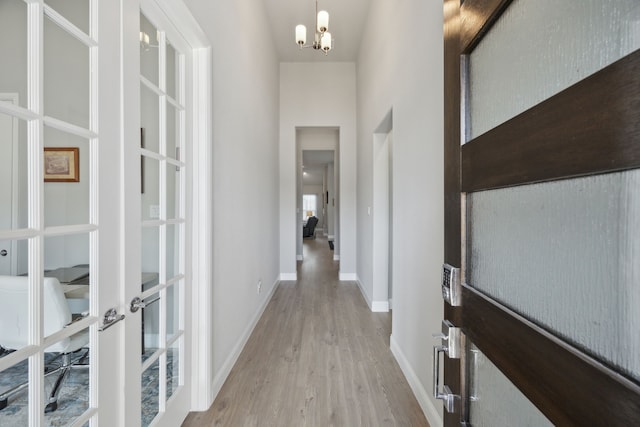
(329, 102)
(401, 68)
(245, 172)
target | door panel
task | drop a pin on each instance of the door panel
(548, 270)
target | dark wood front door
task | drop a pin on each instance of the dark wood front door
(541, 212)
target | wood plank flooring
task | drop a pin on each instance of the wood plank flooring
(317, 357)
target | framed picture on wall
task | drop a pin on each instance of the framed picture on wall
(61, 164)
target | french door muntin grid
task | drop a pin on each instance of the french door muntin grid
(176, 222)
(36, 232)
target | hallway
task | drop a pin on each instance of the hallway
(317, 357)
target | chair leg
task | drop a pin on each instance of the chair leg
(57, 386)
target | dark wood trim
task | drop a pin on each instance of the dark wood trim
(452, 182)
(477, 17)
(569, 388)
(591, 127)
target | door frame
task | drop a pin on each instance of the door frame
(567, 385)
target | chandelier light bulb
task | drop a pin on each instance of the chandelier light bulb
(325, 41)
(301, 34)
(323, 21)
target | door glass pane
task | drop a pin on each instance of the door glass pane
(494, 401)
(151, 325)
(150, 393)
(172, 71)
(173, 248)
(173, 368)
(150, 119)
(76, 11)
(173, 130)
(173, 313)
(14, 308)
(149, 64)
(67, 360)
(565, 255)
(151, 189)
(66, 76)
(17, 398)
(66, 203)
(538, 48)
(13, 171)
(173, 192)
(13, 49)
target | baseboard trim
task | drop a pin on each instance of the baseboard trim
(348, 277)
(231, 360)
(336, 257)
(380, 306)
(431, 412)
(364, 294)
(287, 277)
(330, 237)
(299, 257)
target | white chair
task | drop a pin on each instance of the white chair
(14, 321)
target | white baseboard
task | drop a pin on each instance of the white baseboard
(287, 277)
(348, 276)
(299, 257)
(231, 360)
(390, 303)
(364, 294)
(331, 236)
(380, 306)
(336, 257)
(431, 412)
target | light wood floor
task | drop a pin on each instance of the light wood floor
(317, 357)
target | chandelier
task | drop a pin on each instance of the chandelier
(322, 39)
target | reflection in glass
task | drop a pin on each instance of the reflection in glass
(13, 49)
(151, 185)
(149, 59)
(150, 382)
(173, 368)
(67, 203)
(494, 400)
(13, 171)
(76, 11)
(66, 76)
(150, 118)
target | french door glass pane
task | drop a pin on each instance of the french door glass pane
(150, 118)
(494, 401)
(14, 291)
(17, 405)
(66, 76)
(173, 248)
(150, 393)
(172, 71)
(150, 249)
(76, 11)
(149, 57)
(540, 47)
(565, 255)
(173, 130)
(173, 192)
(173, 368)
(173, 312)
(13, 48)
(66, 203)
(151, 189)
(13, 173)
(151, 325)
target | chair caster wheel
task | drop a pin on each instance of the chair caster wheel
(3, 404)
(51, 407)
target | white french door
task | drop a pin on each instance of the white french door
(157, 238)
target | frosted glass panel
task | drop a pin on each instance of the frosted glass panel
(540, 47)
(495, 401)
(565, 255)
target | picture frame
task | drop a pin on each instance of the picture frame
(61, 164)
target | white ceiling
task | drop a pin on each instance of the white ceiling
(346, 24)
(313, 164)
